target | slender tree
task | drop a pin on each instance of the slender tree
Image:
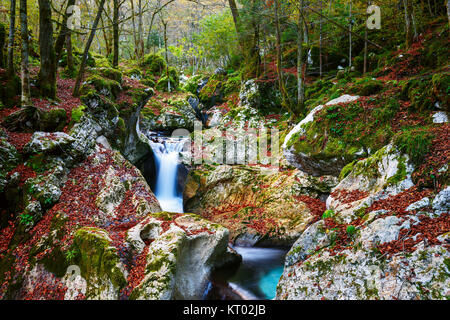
(63, 31)
(86, 49)
(12, 22)
(25, 72)
(284, 95)
(47, 72)
(116, 9)
(409, 22)
(300, 64)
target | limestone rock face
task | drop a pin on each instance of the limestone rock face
(361, 274)
(257, 204)
(379, 239)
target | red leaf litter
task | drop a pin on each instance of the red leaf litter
(64, 89)
(77, 203)
(399, 202)
(25, 173)
(18, 139)
(314, 205)
(346, 196)
(428, 229)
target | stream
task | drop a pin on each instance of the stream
(260, 269)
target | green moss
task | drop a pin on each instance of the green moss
(97, 259)
(191, 84)
(162, 84)
(415, 143)
(400, 175)
(102, 85)
(112, 74)
(53, 120)
(154, 63)
(77, 114)
(346, 170)
(366, 87)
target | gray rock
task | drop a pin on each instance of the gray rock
(48, 142)
(441, 203)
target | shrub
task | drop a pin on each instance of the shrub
(351, 230)
(154, 63)
(328, 214)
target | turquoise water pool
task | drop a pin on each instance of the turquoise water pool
(259, 272)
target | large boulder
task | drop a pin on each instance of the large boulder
(258, 205)
(180, 257)
(323, 157)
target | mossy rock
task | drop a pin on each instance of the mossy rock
(101, 61)
(53, 120)
(119, 135)
(154, 63)
(98, 104)
(98, 259)
(111, 73)
(366, 87)
(162, 84)
(104, 86)
(191, 84)
(441, 89)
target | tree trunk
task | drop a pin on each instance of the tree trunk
(116, 34)
(134, 29)
(350, 36)
(408, 23)
(320, 42)
(86, 50)
(47, 73)
(70, 65)
(300, 80)
(167, 58)
(63, 32)
(236, 19)
(12, 22)
(25, 72)
(448, 12)
(284, 96)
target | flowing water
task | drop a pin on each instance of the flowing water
(261, 268)
(166, 153)
(259, 272)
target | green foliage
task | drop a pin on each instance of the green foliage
(351, 230)
(328, 214)
(154, 63)
(26, 219)
(77, 113)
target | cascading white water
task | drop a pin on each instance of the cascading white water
(166, 158)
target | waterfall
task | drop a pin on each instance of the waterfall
(166, 153)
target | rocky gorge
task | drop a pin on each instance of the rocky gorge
(358, 196)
